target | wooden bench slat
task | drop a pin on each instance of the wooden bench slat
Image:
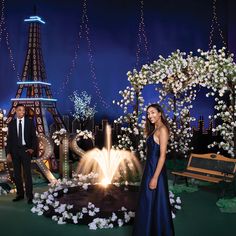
(197, 176)
(206, 171)
(217, 157)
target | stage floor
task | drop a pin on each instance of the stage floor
(199, 217)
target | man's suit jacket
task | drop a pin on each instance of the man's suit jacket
(29, 136)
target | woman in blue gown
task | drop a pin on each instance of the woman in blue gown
(153, 213)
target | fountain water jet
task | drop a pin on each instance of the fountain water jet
(108, 162)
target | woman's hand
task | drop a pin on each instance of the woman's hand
(153, 183)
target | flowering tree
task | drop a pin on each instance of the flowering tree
(83, 110)
(221, 78)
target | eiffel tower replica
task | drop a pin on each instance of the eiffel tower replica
(33, 89)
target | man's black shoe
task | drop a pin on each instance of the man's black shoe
(18, 198)
(30, 201)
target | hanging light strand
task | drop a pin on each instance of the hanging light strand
(84, 31)
(85, 21)
(4, 31)
(214, 22)
(142, 36)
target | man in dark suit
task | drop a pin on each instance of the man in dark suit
(21, 144)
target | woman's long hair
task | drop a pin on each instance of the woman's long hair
(149, 127)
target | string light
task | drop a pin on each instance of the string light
(214, 21)
(3, 159)
(85, 28)
(47, 152)
(3, 31)
(142, 34)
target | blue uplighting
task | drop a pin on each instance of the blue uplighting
(33, 82)
(35, 99)
(35, 18)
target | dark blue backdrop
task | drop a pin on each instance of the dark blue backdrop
(170, 25)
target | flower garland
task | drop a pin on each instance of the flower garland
(58, 136)
(85, 134)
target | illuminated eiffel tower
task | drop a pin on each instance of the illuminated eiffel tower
(33, 90)
(35, 94)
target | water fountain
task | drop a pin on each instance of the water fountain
(109, 163)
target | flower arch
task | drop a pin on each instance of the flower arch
(177, 79)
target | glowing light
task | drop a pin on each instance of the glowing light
(35, 99)
(105, 182)
(110, 164)
(34, 18)
(33, 82)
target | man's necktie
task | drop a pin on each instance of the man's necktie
(20, 133)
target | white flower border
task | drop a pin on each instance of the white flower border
(42, 203)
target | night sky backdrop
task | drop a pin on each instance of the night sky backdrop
(170, 25)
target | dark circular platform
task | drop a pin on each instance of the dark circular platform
(109, 200)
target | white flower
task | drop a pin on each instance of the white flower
(75, 219)
(65, 190)
(178, 207)
(92, 226)
(84, 210)
(40, 213)
(114, 217)
(120, 222)
(173, 215)
(55, 218)
(60, 221)
(33, 210)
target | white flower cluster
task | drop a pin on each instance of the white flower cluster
(85, 134)
(43, 202)
(221, 79)
(180, 131)
(132, 137)
(58, 136)
(175, 204)
(103, 223)
(82, 102)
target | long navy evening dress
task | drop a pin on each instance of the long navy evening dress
(153, 215)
